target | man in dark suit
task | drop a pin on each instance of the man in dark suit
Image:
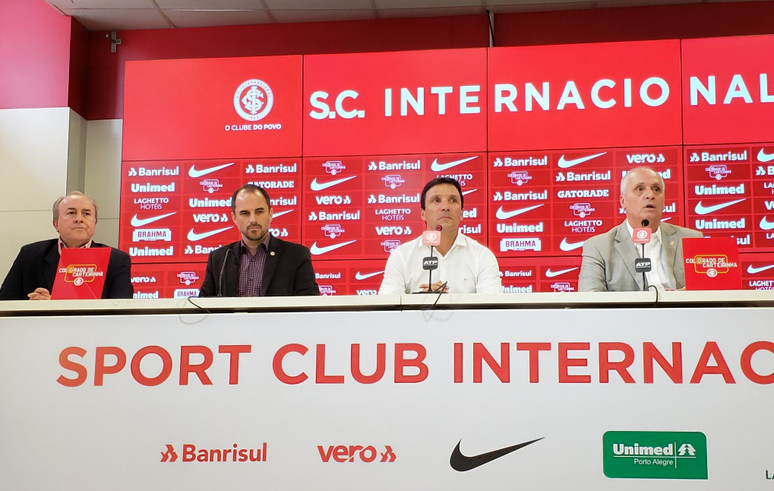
(260, 264)
(33, 272)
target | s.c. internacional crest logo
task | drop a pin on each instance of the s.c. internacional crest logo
(253, 99)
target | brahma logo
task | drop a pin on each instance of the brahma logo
(233, 454)
(253, 100)
(154, 234)
(520, 244)
(188, 277)
(351, 453)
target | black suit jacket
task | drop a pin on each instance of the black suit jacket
(35, 267)
(287, 272)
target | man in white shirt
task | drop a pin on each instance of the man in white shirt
(464, 265)
(608, 259)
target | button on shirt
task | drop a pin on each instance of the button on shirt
(655, 251)
(251, 269)
(468, 267)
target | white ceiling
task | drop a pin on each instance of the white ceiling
(110, 15)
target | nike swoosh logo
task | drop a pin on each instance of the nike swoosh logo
(281, 213)
(138, 222)
(703, 210)
(193, 172)
(752, 270)
(566, 164)
(504, 215)
(765, 224)
(462, 463)
(361, 277)
(551, 274)
(436, 167)
(322, 250)
(193, 236)
(465, 193)
(765, 157)
(319, 186)
(567, 246)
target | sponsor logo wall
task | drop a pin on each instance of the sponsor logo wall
(539, 138)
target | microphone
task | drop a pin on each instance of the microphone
(222, 270)
(430, 238)
(642, 264)
(439, 227)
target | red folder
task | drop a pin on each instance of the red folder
(712, 264)
(81, 273)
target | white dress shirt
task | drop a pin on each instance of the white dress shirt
(655, 251)
(468, 267)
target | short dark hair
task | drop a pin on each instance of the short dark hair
(442, 180)
(250, 188)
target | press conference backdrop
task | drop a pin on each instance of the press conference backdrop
(539, 138)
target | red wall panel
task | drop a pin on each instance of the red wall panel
(34, 55)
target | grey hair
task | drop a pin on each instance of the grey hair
(55, 208)
(625, 179)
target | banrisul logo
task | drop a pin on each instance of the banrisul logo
(655, 454)
(192, 453)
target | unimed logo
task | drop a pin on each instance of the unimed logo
(190, 453)
(355, 453)
(655, 454)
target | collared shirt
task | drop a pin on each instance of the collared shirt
(468, 267)
(251, 269)
(655, 251)
(61, 245)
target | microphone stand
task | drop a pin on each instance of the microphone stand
(644, 276)
(430, 275)
(222, 270)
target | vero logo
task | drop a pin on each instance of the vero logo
(355, 453)
(655, 454)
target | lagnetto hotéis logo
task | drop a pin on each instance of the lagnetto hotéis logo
(655, 454)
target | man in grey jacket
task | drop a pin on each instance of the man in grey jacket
(608, 259)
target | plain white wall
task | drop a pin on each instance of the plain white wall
(45, 153)
(103, 175)
(34, 152)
